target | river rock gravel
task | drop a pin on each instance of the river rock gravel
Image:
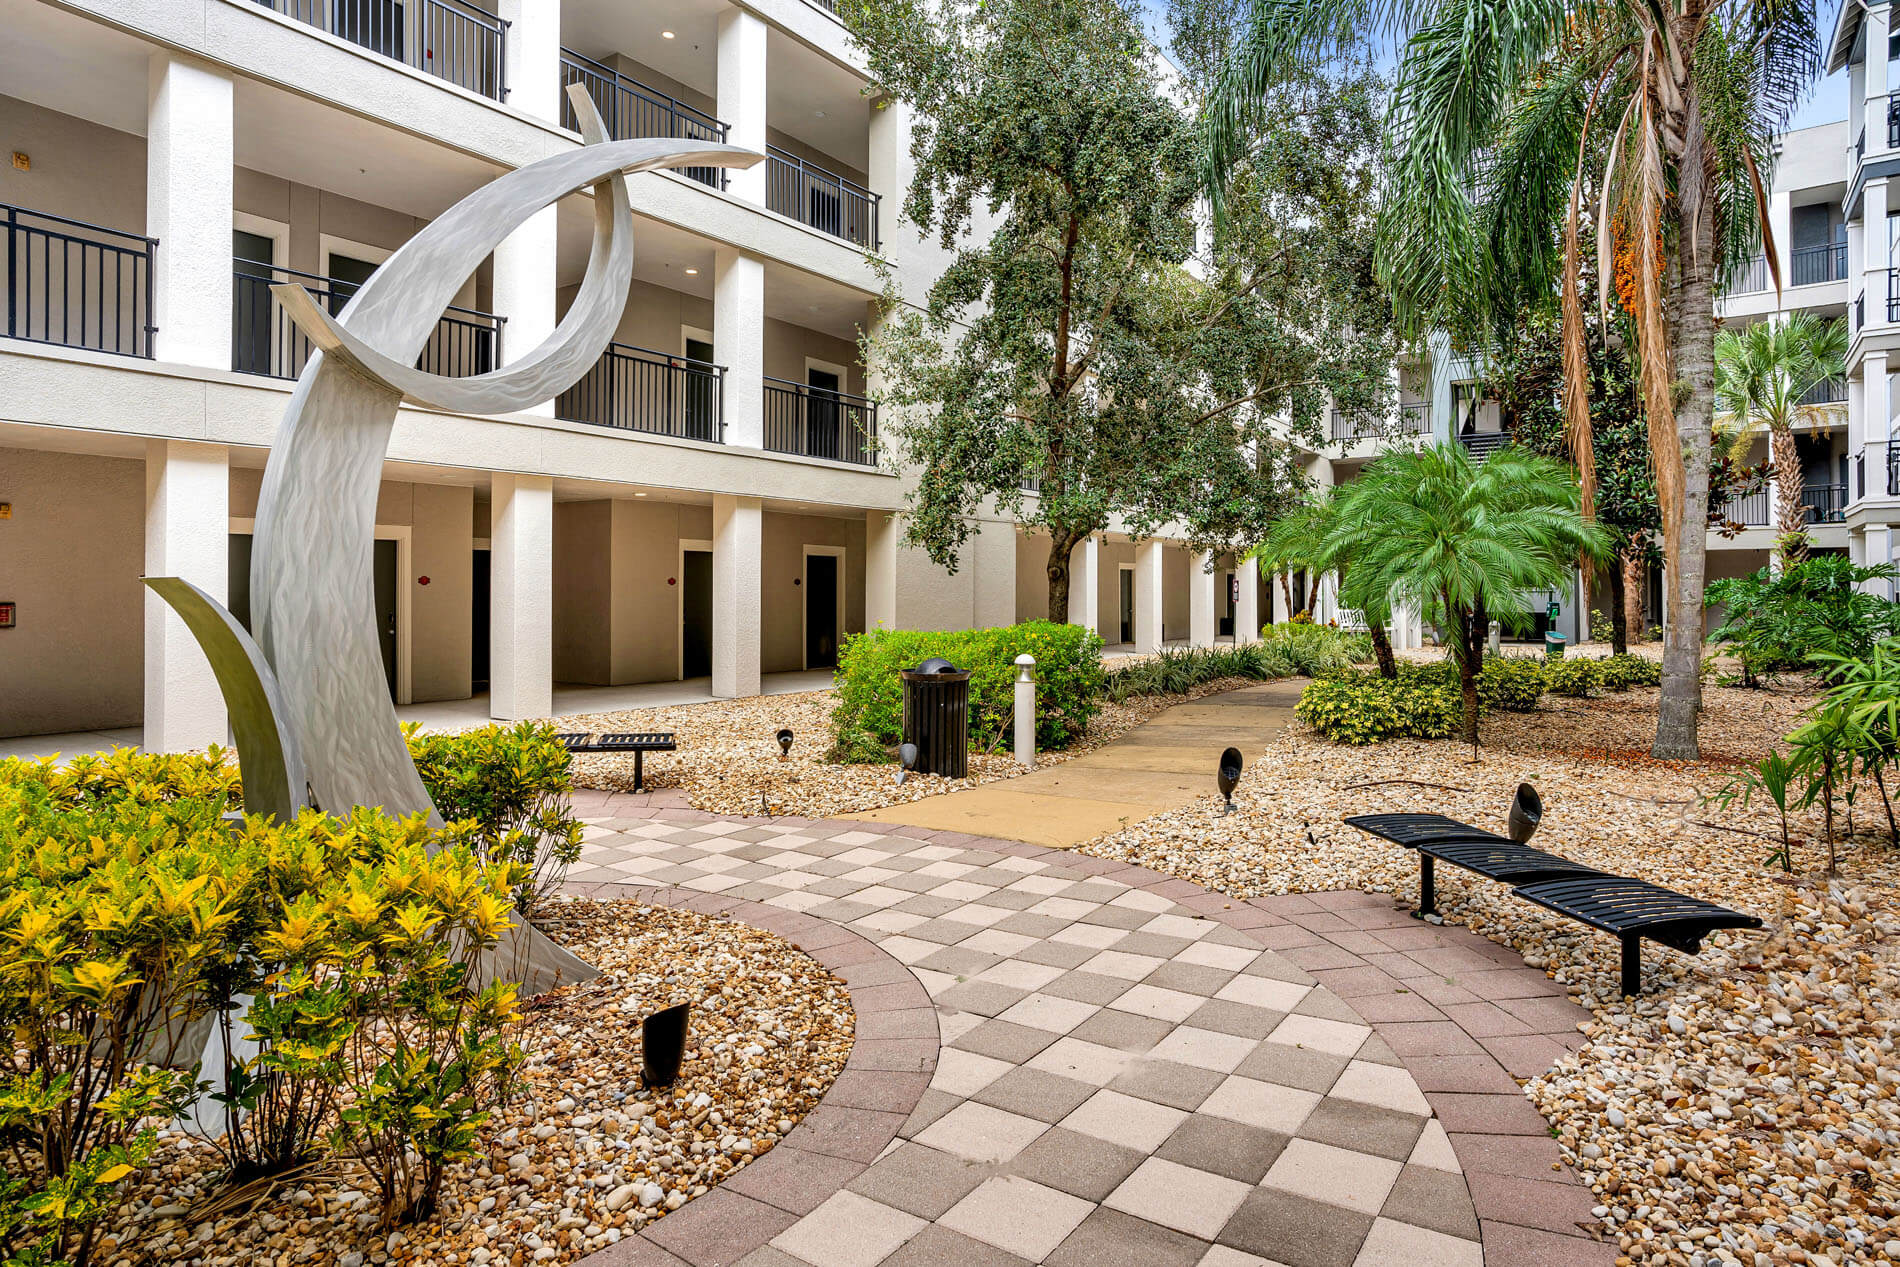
(582, 1155)
(1746, 1110)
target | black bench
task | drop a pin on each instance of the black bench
(1628, 909)
(638, 743)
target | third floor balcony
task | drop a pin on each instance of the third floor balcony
(453, 40)
(1803, 266)
(633, 109)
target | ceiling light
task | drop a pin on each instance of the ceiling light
(692, 272)
(639, 494)
(818, 114)
(666, 35)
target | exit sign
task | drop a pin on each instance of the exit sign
(6, 615)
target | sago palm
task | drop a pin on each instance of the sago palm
(1435, 528)
(1512, 121)
(1761, 375)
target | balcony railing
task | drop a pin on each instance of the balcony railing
(77, 284)
(829, 6)
(1831, 391)
(631, 109)
(1750, 510)
(264, 340)
(1893, 295)
(1413, 417)
(1824, 503)
(824, 200)
(1805, 266)
(450, 39)
(1893, 468)
(816, 423)
(1482, 444)
(1893, 120)
(638, 389)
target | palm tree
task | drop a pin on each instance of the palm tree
(1434, 528)
(1509, 119)
(1304, 539)
(1762, 374)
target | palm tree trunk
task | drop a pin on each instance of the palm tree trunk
(1061, 545)
(1619, 605)
(1635, 593)
(1792, 520)
(1382, 649)
(1692, 331)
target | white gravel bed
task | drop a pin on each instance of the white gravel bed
(583, 1154)
(1747, 1108)
(728, 760)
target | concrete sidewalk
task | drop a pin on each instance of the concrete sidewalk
(1162, 764)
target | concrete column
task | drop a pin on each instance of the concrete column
(1879, 549)
(1148, 580)
(737, 544)
(1085, 584)
(524, 289)
(188, 535)
(741, 88)
(1876, 393)
(189, 150)
(739, 343)
(1876, 22)
(889, 156)
(1247, 607)
(1201, 598)
(521, 597)
(533, 56)
(1781, 225)
(1875, 245)
(880, 569)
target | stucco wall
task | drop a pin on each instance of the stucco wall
(1176, 571)
(70, 557)
(782, 615)
(1032, 576)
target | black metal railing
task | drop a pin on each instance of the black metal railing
(1860, 473)
(1860, 145)
(1893, 120)
(1893, 295)
(1805, 266)
(1829, 391)
(77, 284)
(816, 423)
(1860, 310)
(1747, 509)
(638, 389)
(1482, 444)
(1412, 417)
(1824, 503)
(264, 340)
(1893, 468)
(829, 6)
(824, 200)
(631, 109)
(450, 39)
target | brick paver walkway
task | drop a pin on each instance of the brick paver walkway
(1122, 1067)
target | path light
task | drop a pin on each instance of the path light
(907, 754)
(784, 744)
(1229, 776)
(663, 1045)
(1527, 810)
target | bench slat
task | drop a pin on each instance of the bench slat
(1414, 829)
(1507, 861)
(1625, 906)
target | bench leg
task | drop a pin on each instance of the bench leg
(1632, 964)
(1427, 885)
(639, 770)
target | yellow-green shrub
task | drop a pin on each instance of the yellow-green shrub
(1620, 672)
(1511, 683)
(1573, 676)
(1367, 708)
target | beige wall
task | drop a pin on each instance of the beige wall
(1113, 555)
(1176, 570)
(782, 615)
(69, 157)
(583, 588)
(1032, 576)
(70, 557)
(787, 346)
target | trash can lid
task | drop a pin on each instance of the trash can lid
(935, 664)
(1553, 637)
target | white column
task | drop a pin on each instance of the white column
(889, 157)
(524, 289)
(1201, 584)
(1085, 584)
(1879, 550)
(188, 535)
(1875, 245)
(739, 343)
(189, 150)
(521, 597)
(880, 569)
(737, 543)
(1875, 23)
(1148, 574)
(741, 91)
(1876, 394)
(1247, 607)
(533, 56)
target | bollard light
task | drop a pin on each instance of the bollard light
(663, 1045)
(1228, 777)
(907, 757)
(784, 744)
(1527, 810)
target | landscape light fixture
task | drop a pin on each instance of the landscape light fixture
(663, 1045)
(784, 744)
(1228, 777)
(1527, 810)
(907, 757)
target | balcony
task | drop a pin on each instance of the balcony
(1832, 391)
(450, 39)
(1824, 503)
(815, 423)
(1413, 417)
(1805, 266)
(1893, 121)
(824, 200)
(76, 284)
(630, 109)
(1482, 444)
(638, 389)
(264, 340)
(1750, 510)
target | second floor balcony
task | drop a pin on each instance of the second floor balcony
(451, 39)
(1748, 510)
(822, 199)
(264, 340)
(1482, 444)
(1412, 417)
(638, 389)
(816, 423)
(632, 109)
(1824, 503)
(1803, 266)
(76, 284)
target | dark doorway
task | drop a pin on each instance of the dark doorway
(478, 619)
(1299, 593)
(822, 414)
(237, 580)
(1128, 604)
(696, 614)
(1226, 590)
(701, 417)
(385, 565)
(253, 254)
(821, 611)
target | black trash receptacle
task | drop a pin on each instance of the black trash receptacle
(937, 717)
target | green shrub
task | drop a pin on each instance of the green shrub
(1306, 650)
(512, 783)
(1512, 684)
(1818, 606)
(1620, 672)
(868, 719)
(1366, 708)
(1285, 650)
(1574, 676)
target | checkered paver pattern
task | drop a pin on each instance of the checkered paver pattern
(1117, 1078)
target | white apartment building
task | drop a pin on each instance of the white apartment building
(711, 502)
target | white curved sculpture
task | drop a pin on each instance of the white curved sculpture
(313, 600)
